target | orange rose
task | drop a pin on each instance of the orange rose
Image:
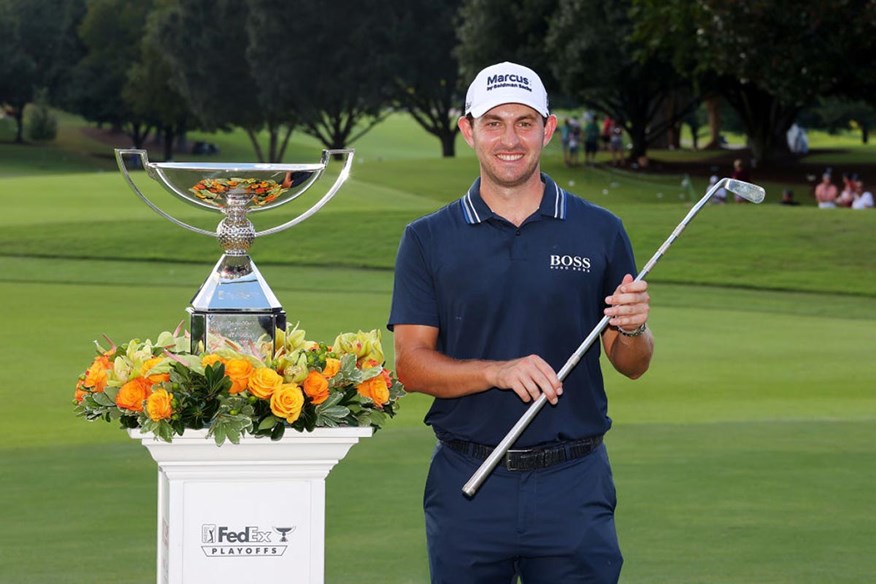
(239, 371)
(96, 375)
(332, 366)
(79, 394)
(132, 394)
(157, 377)
(263, 382)
(287, 401)
(374, 389)
(316, 387)
(158, 405)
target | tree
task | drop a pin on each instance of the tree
(205, 43)
(735, 47)
(595, 61)
(111, 32)
(333, 71)
(150, 93)
(429, 84)
(38, 47)
(492, 31)
(834, 114)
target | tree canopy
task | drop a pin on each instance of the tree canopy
(272, 67)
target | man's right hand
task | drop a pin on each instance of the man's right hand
(528, 377)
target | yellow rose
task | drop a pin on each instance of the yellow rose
(211, 359)
(287, 401)
(263, 382)
(158, 405)
(316, 387)
(374, 389)
(332, 366)
(132, 394)
(238, 370)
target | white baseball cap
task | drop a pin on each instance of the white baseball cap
(506, 83)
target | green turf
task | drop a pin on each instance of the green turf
(745, 455)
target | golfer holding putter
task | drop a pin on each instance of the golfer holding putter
(492, 294)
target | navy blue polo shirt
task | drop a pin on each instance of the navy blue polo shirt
(496, 291)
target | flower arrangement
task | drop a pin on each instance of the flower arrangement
(262, 191)
(163, 388)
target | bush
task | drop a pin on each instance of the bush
(42, 125)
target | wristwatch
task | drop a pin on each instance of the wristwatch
(635, 332)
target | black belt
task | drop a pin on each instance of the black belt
(531, 458)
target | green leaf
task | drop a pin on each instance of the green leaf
(102, 399)
(218, 435)
(269, 422)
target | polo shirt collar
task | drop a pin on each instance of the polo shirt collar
(475, 210)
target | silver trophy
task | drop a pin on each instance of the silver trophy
(234, 303)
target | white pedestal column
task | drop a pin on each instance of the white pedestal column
(247, 512)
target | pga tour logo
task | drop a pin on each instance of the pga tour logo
(570, 262)
(221, 541)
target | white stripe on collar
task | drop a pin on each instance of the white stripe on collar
(471, 214)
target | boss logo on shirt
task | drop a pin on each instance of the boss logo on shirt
(570, 262)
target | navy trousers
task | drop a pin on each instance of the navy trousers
(550, 526)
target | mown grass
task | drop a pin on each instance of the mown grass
(744, 455)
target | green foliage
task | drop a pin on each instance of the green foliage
(190, 395)
(42, 125)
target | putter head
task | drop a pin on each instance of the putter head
(748, 191)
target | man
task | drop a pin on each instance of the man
(826, 192)
(492, 295)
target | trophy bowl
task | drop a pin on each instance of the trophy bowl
(234, 306)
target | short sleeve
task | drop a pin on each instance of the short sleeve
(413, 294)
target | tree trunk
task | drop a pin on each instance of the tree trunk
(19, 124)
(448, 145)
(765, 118)
(169, 137)
(714, 115)
(865, 134)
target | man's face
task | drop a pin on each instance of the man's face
(508, 141)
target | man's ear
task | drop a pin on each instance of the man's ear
(550, 126)
(466, 128)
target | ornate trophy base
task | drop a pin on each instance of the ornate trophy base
(248, 512)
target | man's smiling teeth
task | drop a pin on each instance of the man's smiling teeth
(509, 157)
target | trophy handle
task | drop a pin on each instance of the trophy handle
(342, 177)
(144, 163)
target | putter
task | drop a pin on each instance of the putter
(747, 191)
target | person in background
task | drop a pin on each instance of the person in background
(565, 134)
(788, 198)
(719, 197)
(862, 199)
(826, 192)
(591, 140)
(605, 136)
(616, 144)
(492, 294)
(847, 195)
(574, 142)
